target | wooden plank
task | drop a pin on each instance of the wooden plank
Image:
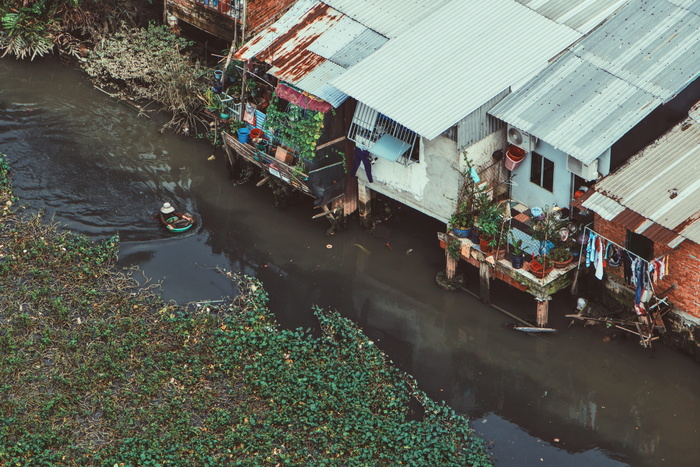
(330, 143)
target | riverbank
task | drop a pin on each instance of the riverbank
(103, 371)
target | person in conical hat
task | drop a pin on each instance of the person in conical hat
(167, 208)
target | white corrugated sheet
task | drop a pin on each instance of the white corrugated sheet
(613, 78)
(389, 18)
(604, 206)
(576, 107)
(458, 58)
(646, 183)
(582, 15)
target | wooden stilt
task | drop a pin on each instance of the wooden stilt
(485, 282)
(542, 311)
(451, 266)
(364, 196)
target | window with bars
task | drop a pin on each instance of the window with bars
(383, 136)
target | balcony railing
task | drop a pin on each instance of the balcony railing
(233, 8)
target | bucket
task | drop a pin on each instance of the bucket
(256, 133)
(514, 156)
(219, 76)
(243, 135)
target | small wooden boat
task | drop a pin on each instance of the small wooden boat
(533, 329)
(176, 221)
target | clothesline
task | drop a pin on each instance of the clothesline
(623, 248)
(634, 257)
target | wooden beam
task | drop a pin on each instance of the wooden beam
(263, 181)
(330, 143)
(542, 312)
(485, 282)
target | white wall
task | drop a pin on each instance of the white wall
(531, 194)
(432, 184)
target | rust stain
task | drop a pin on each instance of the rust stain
(288, 51)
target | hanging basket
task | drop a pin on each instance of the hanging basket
(514, 156)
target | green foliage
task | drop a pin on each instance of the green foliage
(150, 63)
(297, 128)
(26, 32)
(454, 247)
(467, 201)
(96, 370)
(560, 254)
(516, 245)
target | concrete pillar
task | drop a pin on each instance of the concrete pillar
(364, 199)
(542, 311)
(485, 282)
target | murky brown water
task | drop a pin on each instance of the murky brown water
(97, 168)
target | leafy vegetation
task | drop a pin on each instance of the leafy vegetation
(151, 64)
(296, 127)
(29, 29)
(99, 371)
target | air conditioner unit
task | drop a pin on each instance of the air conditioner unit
(521, 139)
(586, 172)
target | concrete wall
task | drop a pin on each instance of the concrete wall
(432, 184)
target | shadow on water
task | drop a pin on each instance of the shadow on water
(564, 399)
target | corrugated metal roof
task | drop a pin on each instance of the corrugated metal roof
(455, 60)
(576, 107)
(285, 46)
(262, 13)
(662, 182)
(310, 45)
(612, 78)
(389, 18)
(582, 15)
(690, 5)
(650, 44)
(607, 208)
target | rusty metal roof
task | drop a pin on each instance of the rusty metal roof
(659, 187)
(310, 45)
(264, 12)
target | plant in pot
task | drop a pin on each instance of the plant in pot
(490, 221)
(560, 256)
(461, 222)
(517, 252)
(546, 230)
(541, 266)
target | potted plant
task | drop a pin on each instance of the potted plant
(517, 252)
(560, 257)
(546, 230)
(490, 220)
(541, 266)
(461, 222)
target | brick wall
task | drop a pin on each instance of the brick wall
(684, 267)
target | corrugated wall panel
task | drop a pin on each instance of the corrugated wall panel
(479, 124)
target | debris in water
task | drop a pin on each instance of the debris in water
(388, 245)
(362, 248)
(329, 246)
(211, 158)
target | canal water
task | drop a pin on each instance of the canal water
(580, 397)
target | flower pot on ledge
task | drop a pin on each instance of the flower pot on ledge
(540, 270)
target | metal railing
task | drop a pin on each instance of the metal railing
(233, 8)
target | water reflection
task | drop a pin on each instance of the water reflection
(98, 168)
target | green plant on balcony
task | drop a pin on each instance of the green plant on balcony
(463, 218)
(296, 128)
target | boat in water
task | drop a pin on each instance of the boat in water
(173, 220)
